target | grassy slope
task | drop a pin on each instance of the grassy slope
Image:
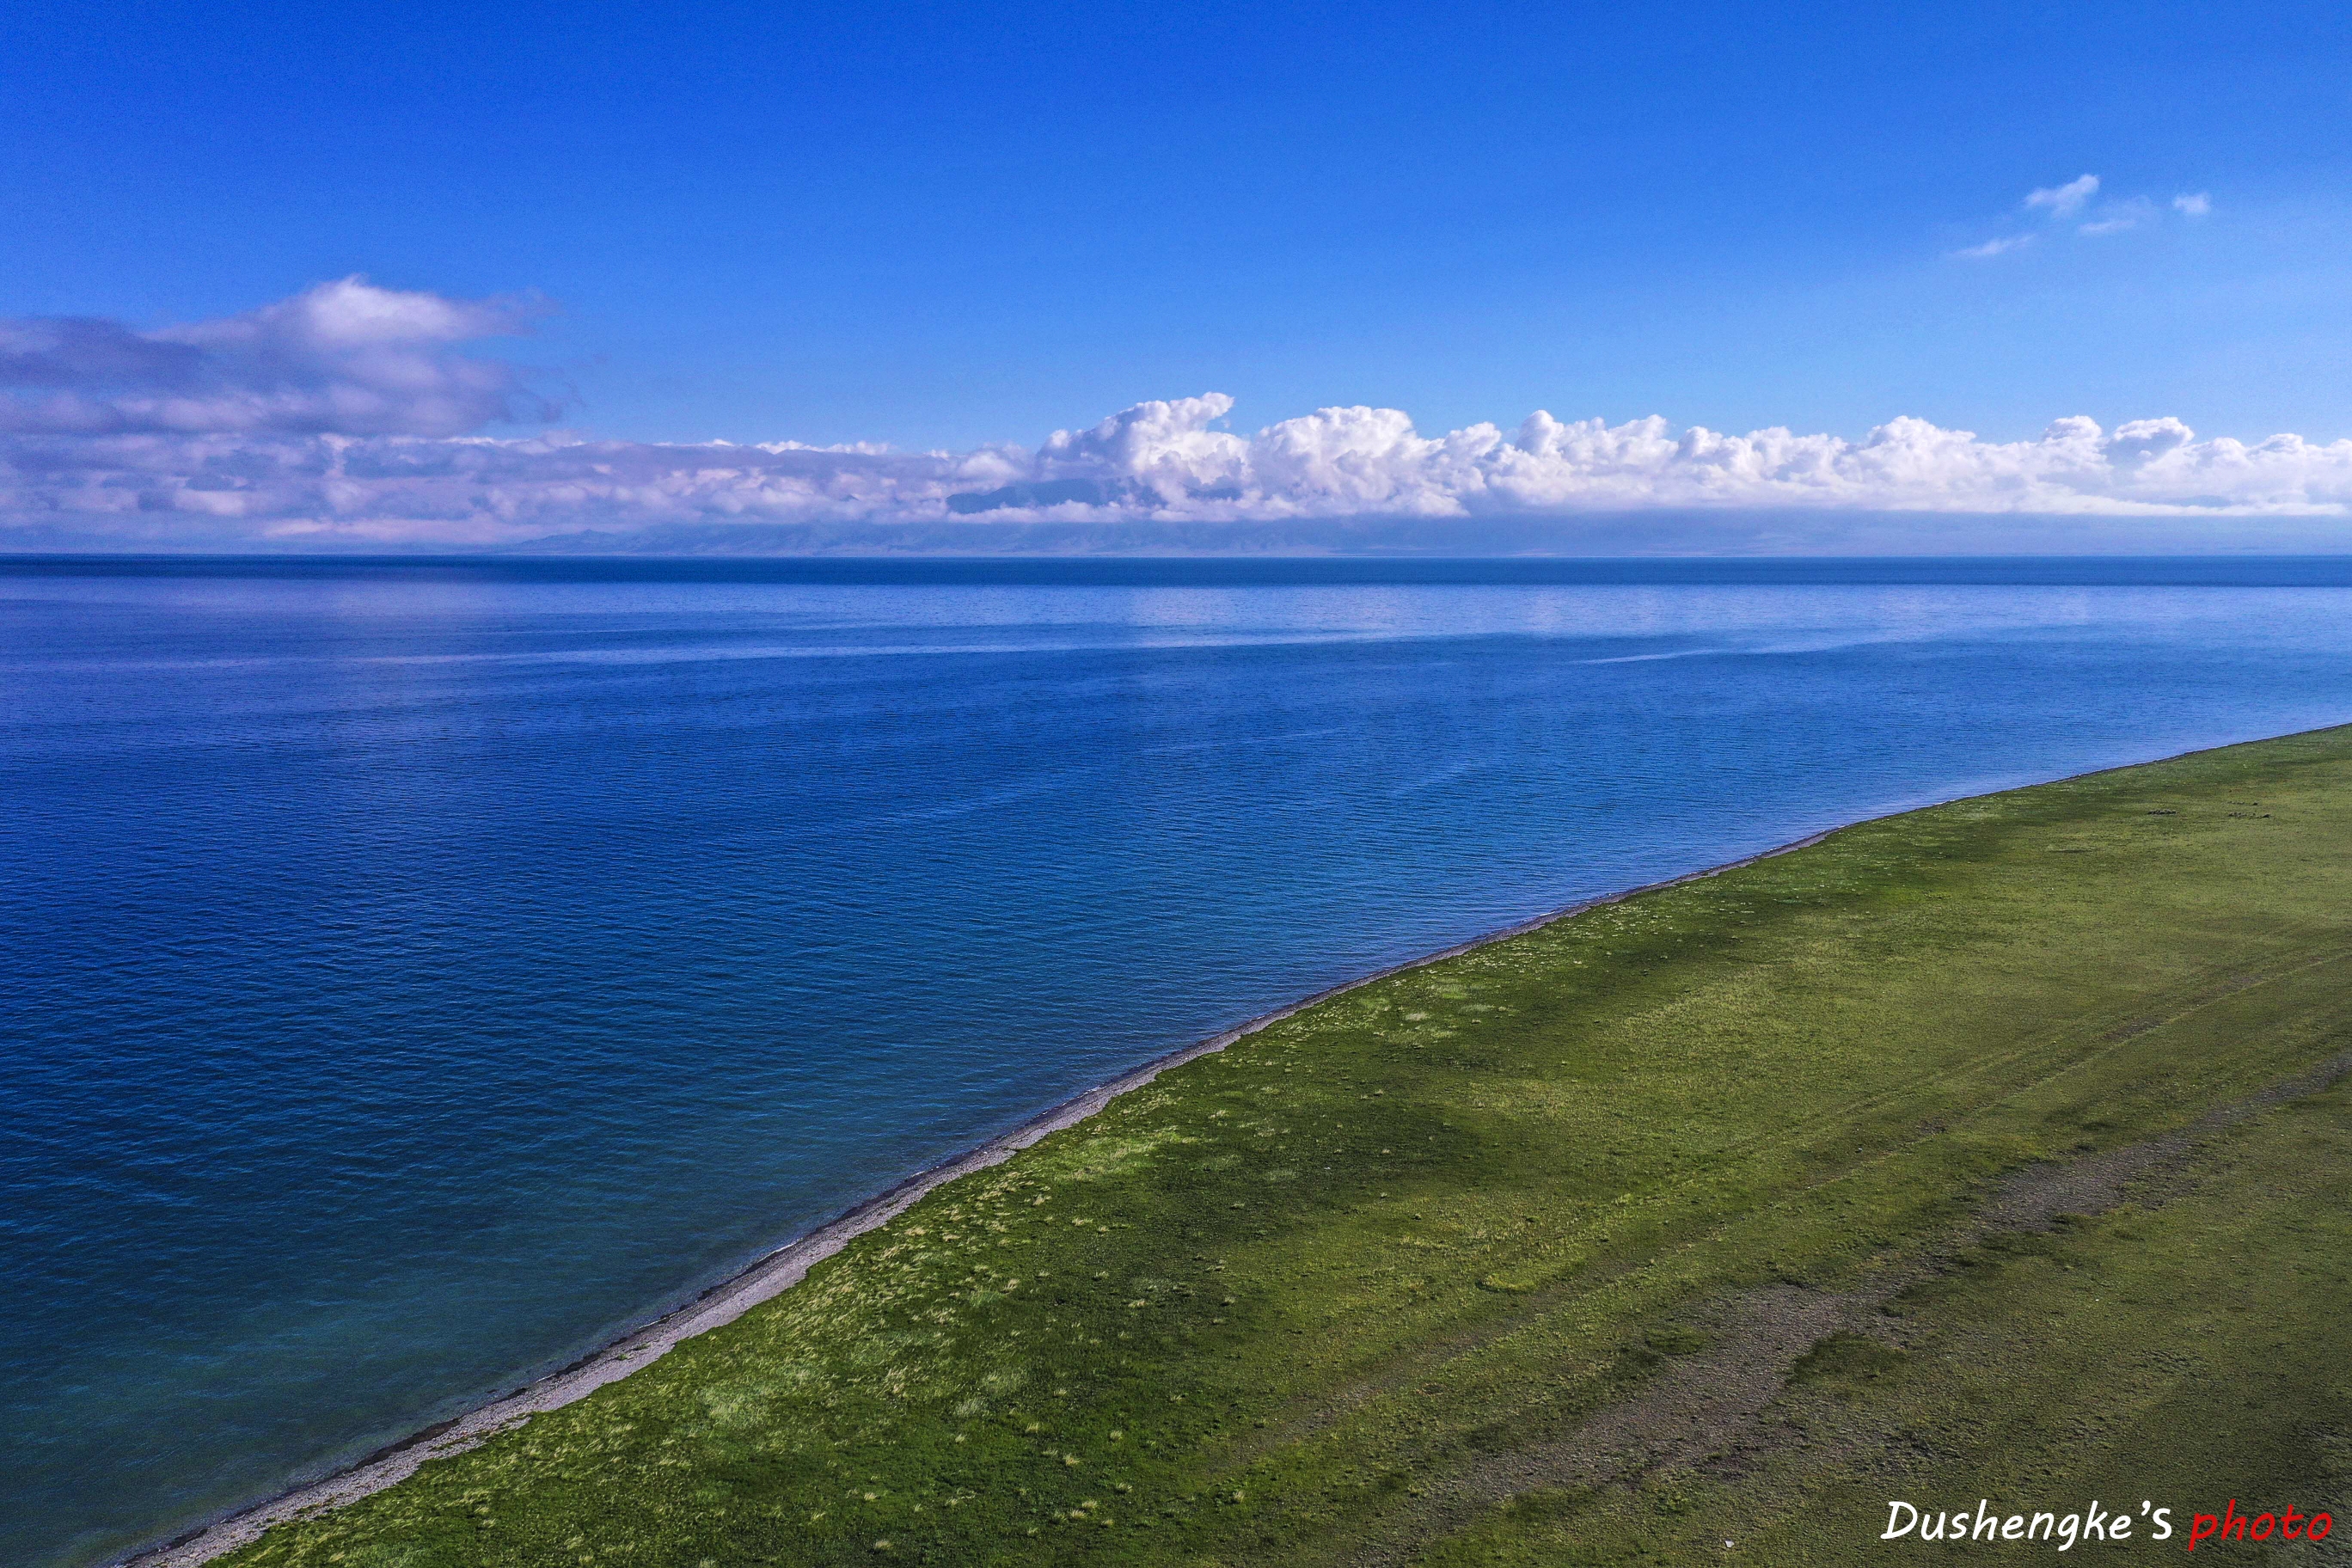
(1692, 1219)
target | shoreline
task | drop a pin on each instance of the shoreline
(780, 1270)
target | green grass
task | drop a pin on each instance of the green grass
(1725, 1213)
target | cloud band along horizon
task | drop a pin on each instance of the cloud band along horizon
(351, 415)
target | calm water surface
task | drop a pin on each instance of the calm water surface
(410, 975)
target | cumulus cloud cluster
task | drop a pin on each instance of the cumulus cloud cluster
(347, 416)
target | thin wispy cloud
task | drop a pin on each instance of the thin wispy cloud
(2056, 206)
(286, 426)
(2064, 201)
(2115, 217)
(1997, 247)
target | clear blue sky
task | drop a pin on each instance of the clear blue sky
(939, 225)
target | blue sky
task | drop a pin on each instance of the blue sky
(946, 224)
(2109, 241)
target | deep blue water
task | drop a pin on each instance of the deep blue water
(412, 973)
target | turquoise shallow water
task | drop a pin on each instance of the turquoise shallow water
(410, 974)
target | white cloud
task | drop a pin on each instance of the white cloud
(139, 478)
(2117, 217)
(2071, 200)
(344, 358)
(2064, 201)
